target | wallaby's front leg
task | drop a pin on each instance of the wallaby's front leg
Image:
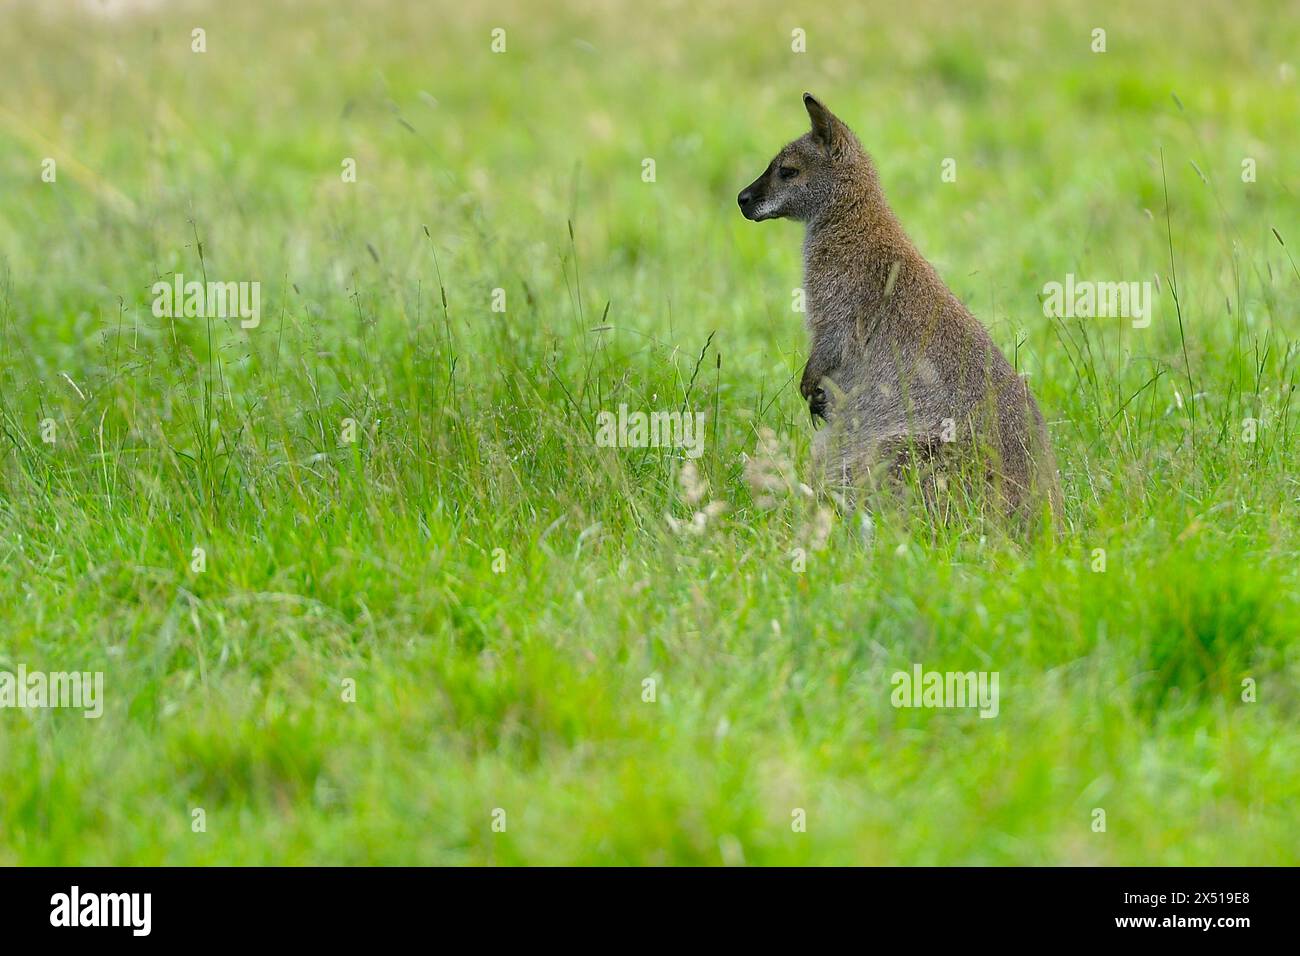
(820, 364)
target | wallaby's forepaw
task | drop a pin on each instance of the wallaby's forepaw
(817, 404)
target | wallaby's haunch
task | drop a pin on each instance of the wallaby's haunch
(899, 369)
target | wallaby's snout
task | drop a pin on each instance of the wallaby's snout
(750, 199)
(768, 197)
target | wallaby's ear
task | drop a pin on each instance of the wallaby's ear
(825, 127)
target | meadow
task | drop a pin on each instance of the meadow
(364, 588)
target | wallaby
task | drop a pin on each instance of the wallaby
(899, 370)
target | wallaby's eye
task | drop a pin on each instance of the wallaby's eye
(787, 172)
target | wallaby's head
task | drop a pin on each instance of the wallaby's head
(811, 174)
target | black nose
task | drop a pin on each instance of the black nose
(745, 198)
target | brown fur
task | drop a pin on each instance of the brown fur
(903, 374)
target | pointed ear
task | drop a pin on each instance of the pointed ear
(825, 127)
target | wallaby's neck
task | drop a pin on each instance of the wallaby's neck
(859, 223)
(852, 247)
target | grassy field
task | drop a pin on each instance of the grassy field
(424, 595)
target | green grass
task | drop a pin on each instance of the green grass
(373, 561)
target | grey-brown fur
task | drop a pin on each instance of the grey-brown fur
(898, 367)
